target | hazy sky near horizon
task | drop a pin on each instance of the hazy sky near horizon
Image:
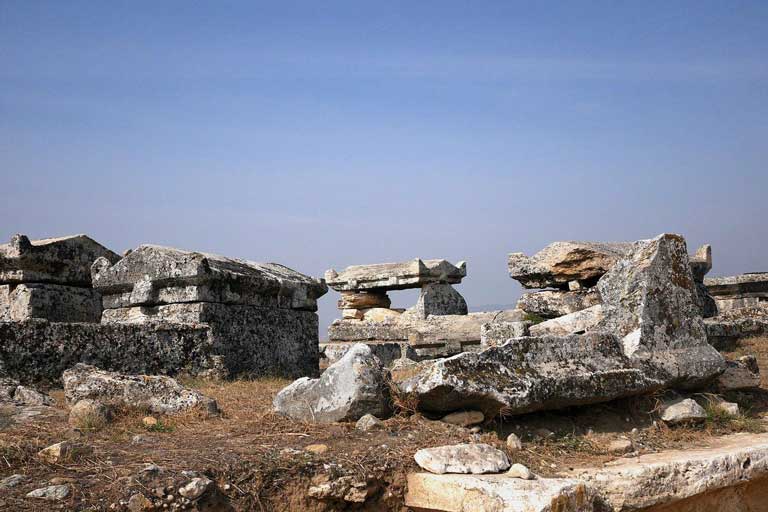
(321, 135)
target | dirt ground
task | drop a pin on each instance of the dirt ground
(260, 462)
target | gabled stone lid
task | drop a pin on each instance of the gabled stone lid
(396, 276)
(65, 260)
(150, 272)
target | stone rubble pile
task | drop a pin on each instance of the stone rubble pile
(50, 279)
(633, 324)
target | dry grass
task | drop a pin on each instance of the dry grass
(261, 456)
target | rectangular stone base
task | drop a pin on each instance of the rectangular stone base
(53, 302)
(246, 341)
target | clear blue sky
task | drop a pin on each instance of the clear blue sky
(324, 134)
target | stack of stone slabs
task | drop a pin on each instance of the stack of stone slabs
(261, 316)
(50, 279)
(437, 326)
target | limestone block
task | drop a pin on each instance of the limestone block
(649, 300)
(346, 391)
(475, 493)
(53, 302)
(561, 262)
(701, 262)
(530, 374)
(574, 323)
(157, 393)
(396, 276)
(154, 275)
(439, 299)
(66, 260)
(462, 458)
(364, 300)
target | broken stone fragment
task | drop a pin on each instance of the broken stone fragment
(60, 452)
(29, 396)
(50, 493)
(439, 299)
(520, 471)
(364, 300)
(352, 314)
(350, 388)
(620, 446)
(649, 301)
(66, 260)
(514, 443)
(396, 276)
(561, 262)
(530, 374)
(156, 393)
(462, 458)
(154, 275)
(574, 323)
(682, 411)
(556, 303)
(369, 422)
(743, 373)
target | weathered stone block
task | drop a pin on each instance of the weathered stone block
(574, 323)
(352, 387)
(555, 303)
(530, 374)
(561, 262)
(364, 300)
(66, 260)
(439, 299)
(153, 275)
(649, 300)
(247, 342)
(701, 262)
(54, 302)
(156, 393)
(396, 276)
(498, 333)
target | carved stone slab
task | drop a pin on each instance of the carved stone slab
(396, 276)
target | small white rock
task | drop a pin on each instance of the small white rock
(520, 471)
(514, 443)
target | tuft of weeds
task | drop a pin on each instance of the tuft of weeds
(533, 317)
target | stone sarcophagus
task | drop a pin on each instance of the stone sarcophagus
(50, 279)
(261, 316)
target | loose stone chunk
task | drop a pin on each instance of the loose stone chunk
(462, 458)
(464, 418)
(156, 393)
(529, 374)
(561, 262)
(649, 301)
(350, 388)
(682, 411)
(51, 493)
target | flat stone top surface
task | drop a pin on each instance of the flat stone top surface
(63, 260)
(166, 266)
(560, 262)
(396, 276)
(755, 281)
